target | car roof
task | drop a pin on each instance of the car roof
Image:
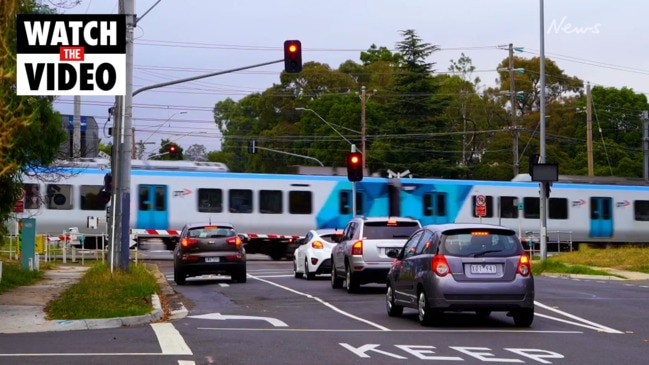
(385, 218)
(322, 231)
(450, 226)
(206, 224)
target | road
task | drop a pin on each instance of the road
(277, 319)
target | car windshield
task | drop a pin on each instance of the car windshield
(331, 238)
(480, 242)
(211, 232)
(389, 230)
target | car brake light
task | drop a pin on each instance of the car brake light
(186, 242)
(317, 244)
(357, 248)
(440, 265)
(234, 241)
(524, 266)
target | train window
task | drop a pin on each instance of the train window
(160, 199)
(641, 210)
(508, 207)
(346, 202)
(435, 204)
(240, 201)
(210, 200)
(59, 197)
(531, 208)
(300, 202)
(270, 201)
(558, 208)
(33, 198)
(489, 202)
(89, 195)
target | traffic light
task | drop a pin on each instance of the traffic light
(173, 151)
(354, 166)
(292, 56)
(108, 182)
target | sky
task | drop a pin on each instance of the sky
(599, 41)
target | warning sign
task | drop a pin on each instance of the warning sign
(71, 54)
(480, 206)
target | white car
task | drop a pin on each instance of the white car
(313, 256)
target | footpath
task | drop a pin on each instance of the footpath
(22, 309)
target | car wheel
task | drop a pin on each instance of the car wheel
(350, 282)
(298, 275)
(425, 314)
(240, 276)
(309, 275)
(394, 310)
(179, 276)
(336, 282)
(523, 317)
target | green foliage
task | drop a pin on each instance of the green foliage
(14, 275)
(102, 294)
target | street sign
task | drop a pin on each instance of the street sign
(480, 206)
(19, 205)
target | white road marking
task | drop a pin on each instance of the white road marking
(224, 285)
(324, 303)
(584, 322)
(221, 317)
(171, 342)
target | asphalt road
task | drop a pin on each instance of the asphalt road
(277, 319)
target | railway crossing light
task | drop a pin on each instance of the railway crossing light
(292, 56)
(354, 166)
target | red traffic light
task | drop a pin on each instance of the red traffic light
(292, 56)
(354, 166)
(172, 149)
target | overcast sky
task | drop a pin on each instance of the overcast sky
(600, 41)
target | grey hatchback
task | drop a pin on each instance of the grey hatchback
(462, 267)
(203, 249)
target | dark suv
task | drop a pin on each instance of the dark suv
(361, 256)
(203, 249)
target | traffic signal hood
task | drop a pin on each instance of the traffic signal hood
(354, 166)
(292, 56)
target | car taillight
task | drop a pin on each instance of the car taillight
(440, 265)
(186, 242)
(314, 261)
(524, 266)
(234, 241)
(317, 245)
(357, 248)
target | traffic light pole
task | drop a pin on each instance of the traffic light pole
(121, 202)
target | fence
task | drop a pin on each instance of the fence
(561, 239)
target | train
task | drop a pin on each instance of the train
(165, 195)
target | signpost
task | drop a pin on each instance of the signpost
(480, 206)
(19, 206)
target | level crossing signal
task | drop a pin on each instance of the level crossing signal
(173, 151)
(292, 56)
(354, 166)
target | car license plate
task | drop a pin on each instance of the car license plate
(212, 259)
(483, 269)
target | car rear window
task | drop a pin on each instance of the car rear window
(389, 230)
(480, 242)
(211, 232)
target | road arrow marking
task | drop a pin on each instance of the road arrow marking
(220, 317)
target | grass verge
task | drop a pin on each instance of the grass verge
(14, 275)
(102, 294)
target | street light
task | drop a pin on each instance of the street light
(331, 126)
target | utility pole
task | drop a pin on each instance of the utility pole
(589, 129)
(76, 129)
(645, 143)
(512, 101)
(363, 102)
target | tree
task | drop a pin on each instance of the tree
(196, 152)
(30, 130)
(415, 138)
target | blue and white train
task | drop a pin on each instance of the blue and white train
(166, 195)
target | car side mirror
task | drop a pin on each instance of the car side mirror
(393, 253)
